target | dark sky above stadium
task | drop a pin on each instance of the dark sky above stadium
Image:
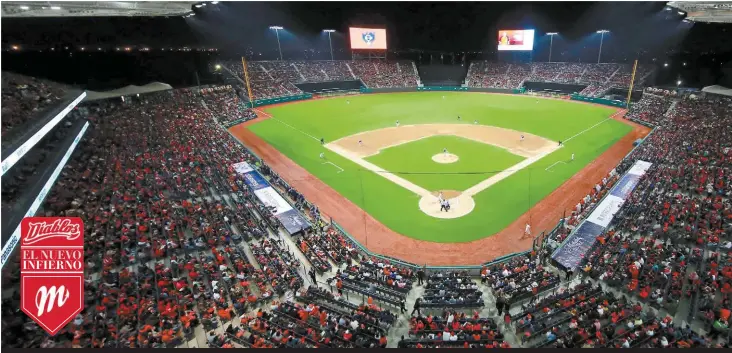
(444, 26)
(643, 30)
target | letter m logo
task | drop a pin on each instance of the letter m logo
(52, 301)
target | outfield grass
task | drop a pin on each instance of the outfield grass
(396, 207)
(413, 161)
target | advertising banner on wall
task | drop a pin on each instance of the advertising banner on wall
(290, 218)
(571, 253)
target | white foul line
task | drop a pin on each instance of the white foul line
(288, 125)
(585, 130)
(592, 127)
(555, 163)
(335, 165)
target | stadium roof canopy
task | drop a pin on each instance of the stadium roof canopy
(704, 11)
(95, 8)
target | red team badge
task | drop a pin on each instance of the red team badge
(52, 270)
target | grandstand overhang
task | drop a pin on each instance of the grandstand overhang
(704, 11)
(95, 8)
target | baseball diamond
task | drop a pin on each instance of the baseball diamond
(389, 172)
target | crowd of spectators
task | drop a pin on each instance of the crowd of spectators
(162, 210)
(666, 243)
(599, 78)
(293, 325)
(270, 79)
(516, 280)
(592, 318)
(650, 108)
(226, 105)
(385, 74)
(24, 96)
(450, 289)
(453, 329)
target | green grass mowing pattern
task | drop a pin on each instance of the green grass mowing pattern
(413, 161)
(396, 207)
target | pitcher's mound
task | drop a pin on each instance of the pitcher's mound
(460, 204)
(445, 158)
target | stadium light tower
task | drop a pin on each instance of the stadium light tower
(277, 32)
(329, 31)
(551, 41)
(602, 36)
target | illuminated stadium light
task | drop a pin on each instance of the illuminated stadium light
(24, 7)
(15, 47)
(681, 13)
(602, 36)
(214, 2)
(198, 6)
(277, 32)
(684, 64)
(551, 43)
(665, 64)
(678, 83)
(330, 43)
(55, 8)
(218, 67)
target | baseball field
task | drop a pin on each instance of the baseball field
(491, 165)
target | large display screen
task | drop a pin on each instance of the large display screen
(368, 38)
(511, 39)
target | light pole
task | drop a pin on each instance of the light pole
(602, 35)
(329, 31)
(277, 32)
(551, 41)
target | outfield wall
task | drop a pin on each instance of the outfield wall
(577, 97)
(567, 88)
(322, 87)
(268, 101)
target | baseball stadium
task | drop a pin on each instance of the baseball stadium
(297, 175)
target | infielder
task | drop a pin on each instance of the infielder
(397, 123)
(444, 150)
(360, 143)
(458, 117)
(522, 138)
(322, 154)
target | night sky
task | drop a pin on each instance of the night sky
(638, 30)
